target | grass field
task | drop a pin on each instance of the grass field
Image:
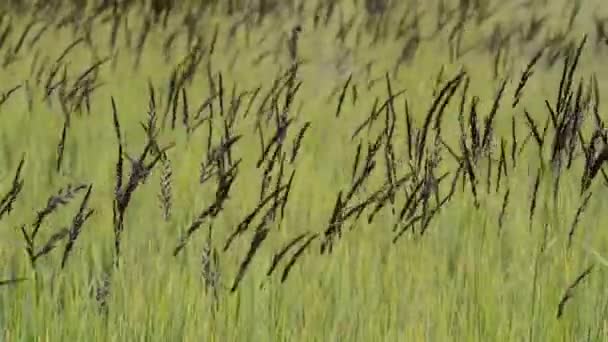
(319, 170)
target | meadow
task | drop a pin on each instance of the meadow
(303, 170)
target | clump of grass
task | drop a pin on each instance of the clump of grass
(165, 196)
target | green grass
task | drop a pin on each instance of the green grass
(465, 279)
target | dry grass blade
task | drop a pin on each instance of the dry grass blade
(298, 141)
(61, 145)
(369, 166)
(409, 129)
(343, 95)
(53, 203)
(334, 226)
(287, 191)
(12, 281)
(513, 142)
(577, 217)
(165, 196)
(5, 33)
(78, 221)
(210, 267)
(296, 256)
(388, 194)
(534, 198)
(276, 140)
(259, 237)
(244, 224)
(411, 199)
(489, 122)
(528, 72)
(503, 210)
(216, 157)
(47, 247)
(67, 50)
(570, 291)
(62, 198)
(502, 165)
(447, 91)
(7, 94)
(375, 113)
(7, 201)
(278, 256)
(225, 183)
(90, 70)
(473, 128)
(444, 103)
(119, 162)
(534, 130)
(356, 162)
(471, 173)
(185, 110)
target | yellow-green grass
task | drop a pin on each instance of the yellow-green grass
(462, 280)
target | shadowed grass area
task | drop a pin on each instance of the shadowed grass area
(399, 171)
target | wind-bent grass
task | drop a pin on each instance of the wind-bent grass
(465, 278)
